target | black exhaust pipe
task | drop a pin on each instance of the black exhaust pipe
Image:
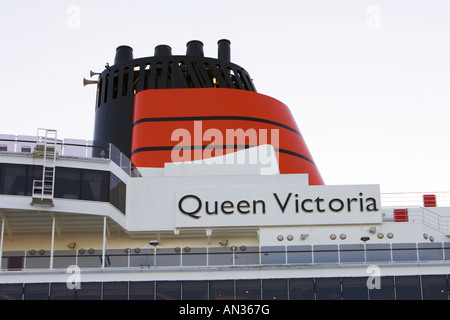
(224, 51)
(163, 50)
(194, 48)
(123, 54)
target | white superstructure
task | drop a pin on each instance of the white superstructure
(211, 230)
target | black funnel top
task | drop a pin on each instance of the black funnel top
(118, 84)
(123, 54)
(224, 50)
(163, 50)
(194, 48)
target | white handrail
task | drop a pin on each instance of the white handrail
(413, 199)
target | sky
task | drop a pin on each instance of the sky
(368, 82)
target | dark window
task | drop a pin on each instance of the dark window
(115, 291)
(328, 289)
(11, 291)
(70, 183)
(13, 260)
(33, 173)
(427, 287)
(351, 252)
(220, 256)
(378, 252)
(301, 289)
(221, 290)
(17, 179)
(36, 291)
(275, 289)
(430, 251)
(273, 255)
(408, 288)
(386, 291)
(94, 185)
(117, 192)
(354, 289)
(168, 290)
(299, 254)
(404, 252)
(325, 253)
(13, 179)
(194, 290)
(167, 257)
(434, 287)
(67, 183)
(142, 290)
(59, 291)
(248, 289)
(194, 257)
(90, 291)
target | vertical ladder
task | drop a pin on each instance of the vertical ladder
(43, 189)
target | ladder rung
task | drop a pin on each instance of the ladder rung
(46, 147)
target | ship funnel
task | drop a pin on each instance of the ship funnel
(123, 54)
(194, 48)
(163, 50)
(224, 52)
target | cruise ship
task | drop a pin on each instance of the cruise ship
(197, 187)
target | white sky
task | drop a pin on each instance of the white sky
(368, 82)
